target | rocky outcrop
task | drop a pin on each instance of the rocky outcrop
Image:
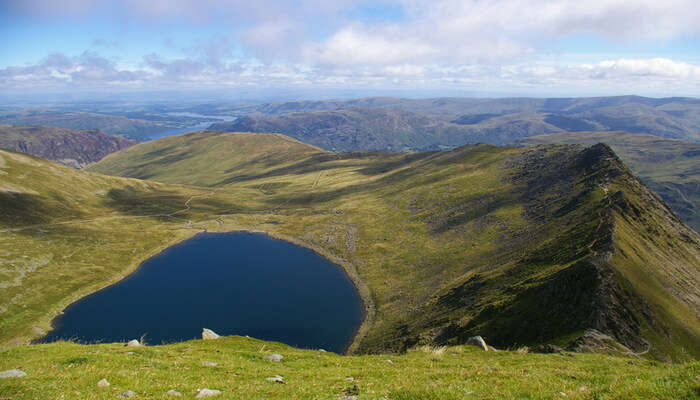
(208, 334)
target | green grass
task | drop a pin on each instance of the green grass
(67, 370)
(480, 240)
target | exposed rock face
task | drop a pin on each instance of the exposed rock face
(478, 341)
(208, 334)
(13, 373)
(75, 148)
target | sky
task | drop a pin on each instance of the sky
(413, 47)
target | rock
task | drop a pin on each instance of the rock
(128, 393)
(13, 373)
(133, 343)
(276, 379)
(208, 334)
(103, 383)
(547, 349)
(275, 357)
(350, 379)
(348, 397)
(131, 353)
(207, 393)
(174, 393)
(478, 341)
(209, 364)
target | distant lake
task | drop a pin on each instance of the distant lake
(193, 128)
(233, 283)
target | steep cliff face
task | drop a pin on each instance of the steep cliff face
(75, 148)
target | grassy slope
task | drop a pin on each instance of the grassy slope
(472, 241)
(461, 372)
(670, 167)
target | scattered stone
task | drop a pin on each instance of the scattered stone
(13, 373)
(276, 379)
(208, 334)
(209, 364)
(207, 393)
(478, 341)
(350, 379)
(348, 397)
(103, 383)
(275, 357)
(173, 393)
(131, 353)
(133, 343)
(128, 393)
(389, 361)
(547, 349)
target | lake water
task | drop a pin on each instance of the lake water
(193, 128)
(233, 283)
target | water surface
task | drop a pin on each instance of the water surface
(233, 283)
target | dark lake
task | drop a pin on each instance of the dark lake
(233, 283)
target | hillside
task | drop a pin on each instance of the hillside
(669, 167)
(503, 120)
(134, 125)
(523, 246)
(70, 147)
(382, 129)
(461, 372)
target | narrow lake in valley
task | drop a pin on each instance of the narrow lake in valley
(192, 128)
(236, 283)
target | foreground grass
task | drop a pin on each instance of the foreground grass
(68, 370)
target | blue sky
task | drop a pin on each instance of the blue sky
(514, 47)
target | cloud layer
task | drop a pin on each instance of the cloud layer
(441, 43)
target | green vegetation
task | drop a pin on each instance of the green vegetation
(521, 246)
(70, 147)
(461, 372)
(670, 167)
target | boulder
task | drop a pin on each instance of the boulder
(547, 349)
(208, 334)
(127, 393)
(207, 393)
(133, 343)
(276, 379)
(103, 383)
(209, 364)
(173, 393)
(13, 373)
(274, 357)
(478, 341)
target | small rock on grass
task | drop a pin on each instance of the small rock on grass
(103, 383)
(478, 341)
(209, 364)
(276, 379)
(208, 334)
(173, 393)
(128, 393)
(133, 343)
(13, 373)
(207, 393)
(274, 357)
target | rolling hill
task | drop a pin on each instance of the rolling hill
(70, 147)
(495, 121)
(552, 244)
(670, 167)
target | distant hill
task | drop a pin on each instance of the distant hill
(75, 148)
(670, 167)
(383, 129)
(495, 121)
(519, 245)
(134, 126)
